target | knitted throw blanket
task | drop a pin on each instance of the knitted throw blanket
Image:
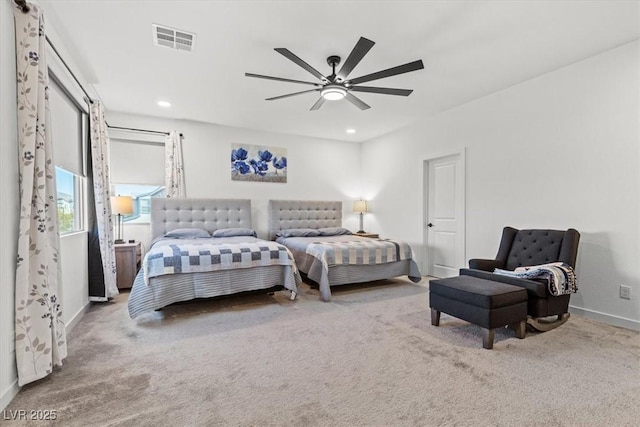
(560, 277)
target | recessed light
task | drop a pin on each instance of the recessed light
(164, 104)
(351, 131)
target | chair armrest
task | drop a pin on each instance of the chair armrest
(485, 264)
(537, 289)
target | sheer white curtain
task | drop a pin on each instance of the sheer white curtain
(41, 341)
(174, 169)
(102, 196)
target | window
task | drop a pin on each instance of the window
(69, 133)
(137, 170)
(69, 201)
(141, 195)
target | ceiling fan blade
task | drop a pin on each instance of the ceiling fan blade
(291, 94)
(382, 90)
(318, 104)
(400, 69)
(280, 79)
(359, 51)
(291, 56)
(356, 101)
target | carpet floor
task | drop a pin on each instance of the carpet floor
(368, 358)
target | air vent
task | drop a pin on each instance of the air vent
(175, 39)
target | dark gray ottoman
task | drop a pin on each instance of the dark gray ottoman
(482, 302)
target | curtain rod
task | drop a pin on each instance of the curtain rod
(86, 94)
(25, 9)
(140, 130)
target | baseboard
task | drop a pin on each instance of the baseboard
(9, 394)
(606, 318)
(74, 321)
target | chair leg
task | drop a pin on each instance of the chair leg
(520, 329)
(435, 317)
(487, 338)
(543, 325)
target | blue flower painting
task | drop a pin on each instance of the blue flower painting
(258, 163)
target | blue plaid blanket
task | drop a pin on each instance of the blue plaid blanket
(193, 258)
(560, 277)
(359, 252)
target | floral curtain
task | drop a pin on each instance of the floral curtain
(41, 341)
(174, 169)
(103, 224)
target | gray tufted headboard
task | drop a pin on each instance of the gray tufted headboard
(208, 214)
(287, 214)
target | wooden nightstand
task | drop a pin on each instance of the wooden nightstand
(370, 235)
(128, 259)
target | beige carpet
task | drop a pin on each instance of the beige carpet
(369, 358)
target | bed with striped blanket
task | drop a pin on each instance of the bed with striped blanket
(359, 259)
(337, 259)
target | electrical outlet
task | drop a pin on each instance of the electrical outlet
(625, 292)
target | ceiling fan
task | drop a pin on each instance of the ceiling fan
(336, 86)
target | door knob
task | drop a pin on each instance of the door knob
(429, 225)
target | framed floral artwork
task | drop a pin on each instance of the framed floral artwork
(258, 163)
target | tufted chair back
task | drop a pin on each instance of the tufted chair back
(533, 247)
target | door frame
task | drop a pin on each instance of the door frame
(425, 203)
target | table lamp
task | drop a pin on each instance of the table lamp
(360, 206)
(121, 205)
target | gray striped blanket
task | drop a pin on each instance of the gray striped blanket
(359, 252)
(195, 258)
(560, 277)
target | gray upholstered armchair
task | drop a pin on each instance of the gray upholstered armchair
(532, 247)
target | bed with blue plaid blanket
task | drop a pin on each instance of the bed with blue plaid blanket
(200, 257)
(177, 270)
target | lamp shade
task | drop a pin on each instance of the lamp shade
(122, 205)
(360, 206)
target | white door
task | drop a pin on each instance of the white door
(444, 219)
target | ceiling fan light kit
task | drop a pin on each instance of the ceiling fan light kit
(335, 87)
(333, 92)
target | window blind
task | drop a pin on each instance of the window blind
(136, 162)
(66, 130)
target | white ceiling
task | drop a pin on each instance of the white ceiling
(469, 48)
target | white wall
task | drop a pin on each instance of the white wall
(318, 169)
(9, 207)
(74, 292)
(557, 151)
